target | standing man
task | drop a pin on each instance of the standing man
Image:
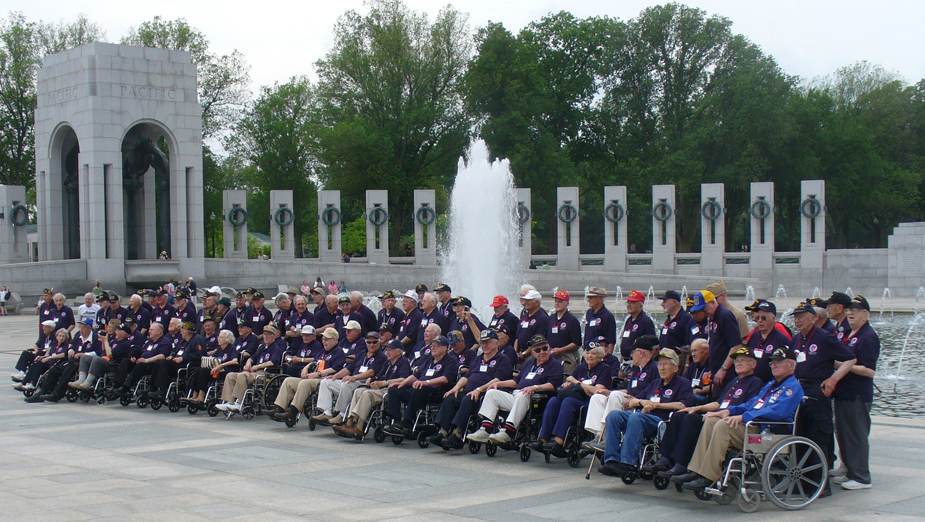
(564, 332)
(444, 294)
(327, 316)
(464, 322)
(533, 322)
(256, 313)
(637, 324)
(725, 336)
(88, 309)
(390, 315)
(410, 326)
(431, 314)
(719, 293)
(676, 329)
(368, 319)
(766, 338)
(598, 319)
(163, 312)
(297, 321)
(503, 319)
(837, 305)
(186, 311)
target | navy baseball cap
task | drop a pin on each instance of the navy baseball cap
(783, 353)
(766, 306)
(646, 342)
(860, 301)
(442, 341)
(804, 307)
(395, 343)
(839, 298)
(670, 294)
(488, 334)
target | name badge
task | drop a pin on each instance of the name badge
(554, 329)
(656, 399)
(633, 383)
(723, 405)
(593, 322)
(180, 353)
(531, 376)
(346, 350)
(483, 368)
(695, 329)
(759, 354)
(417, 355)
(587, 381)
(695, 382)
(524, 324)
(429, 373)
(363, 369)
(626, 334)
(801, 357)
(759, 404)
(664, 330)
(424, 323)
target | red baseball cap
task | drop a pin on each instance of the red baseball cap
(498, 301)
(562, 294)
(636, 295)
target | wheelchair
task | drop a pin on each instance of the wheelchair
(261, 395)
(789, 470)
(139, 394)
(174, 392)
(102, 391)
(648, 455)
(527, 431)
(213, 395)
(574, 438)
(425, 424)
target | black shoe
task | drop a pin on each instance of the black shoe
(661, 465)
(555, 449)
(684, 477)
(435, 439)
(536, 445)
(122, 392)
(451, 441)
(154, 395)
(827, 492)
(51, 397)
(396, 429)
(34, 399)
(698, 484)
(673, 472)
(614, 468)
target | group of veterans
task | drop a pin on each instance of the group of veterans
(703, 373)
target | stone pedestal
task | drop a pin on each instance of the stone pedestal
(812, 235)
(425, 236)
(664, 243)
(377, 236)
(569, 234)
(615, 226)
(282, 237)
(235, 238)
(14, 247)
(525, 220)
(712, 232)
(762, 230)
(329, 233)
(906, 251)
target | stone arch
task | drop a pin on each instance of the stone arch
(64, 179)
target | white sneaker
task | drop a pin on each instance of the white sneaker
(500, 438)
(840, 471)
(222, 407)
(236, 407)
(18, 386)
(29, 386)
(853, 484)
(479, 436)
(839, 479)
(18, 376)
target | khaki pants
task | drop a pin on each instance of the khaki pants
(236, 384)
(516, 404)
(716, 437)
(331, 387)
(296, 391)
(569, 361)
(363, 402)
(599, 406)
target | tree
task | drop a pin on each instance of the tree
(61, 36)
(223, 81)
(392, 104)
(277, 136)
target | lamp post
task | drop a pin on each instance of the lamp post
(213, 234)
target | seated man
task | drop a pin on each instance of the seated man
(269, 354)
(347, 380)
(643, 373)
(132, 368)
(697, 371)
(777, 401)
(626, 429)
(540, 373)
(461, 402)
(680, 437)
(304, 351)
(296, 391)
(45, 342)
(114, 336)
(185, 354)
(427, 381)
(55, 355)
(85, 344)
(365, 399)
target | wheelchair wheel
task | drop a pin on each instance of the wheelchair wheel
(191, 408)
(703, 495)
(574, 456)
(524, 453)
(422, 440)
(85, 396)
(211, 409)
(142, 402)
(271, 390)
(248, 412)
(628, 479)
(749, 501)
(173, 405)
(491, 449)
(646, 475)
(71, 395)
(379, 435)
(311, 424)
(474, 447)
(28, 392)
(125, 401)
(396, 440)
(660, 483)
(102, 400)
(546, 456)
(794, 473)
(156, 404)
(729, 494)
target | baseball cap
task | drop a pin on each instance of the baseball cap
(783, 353)
(646, 342)
(182, 294)
(670, 294)
(353, 325)
(259, 295)
(308, 330)
(388, 294)
(596, 291)
(538, 340)
(330, 333)
(533, 295)
(754, 306)
(839, 298)
(271, 329)
(224, 301)
(701, 299)
(104, 296)
(396, 344)
(766, 306)
(420, 288)
(411, 294)
(498, 301)
(488, 335)
(636, 297)
(442, 287)
(113, 298)
(743, 350)
(126, 327)
(442, 341)
(859, 301)
(245, 323)
(455, 336)
(462, 301)
(804, 307)
(373, 335)
(563, 295)
(188, 326)
(86, 322)
(668, 353)
(343, 299)
(717, 288)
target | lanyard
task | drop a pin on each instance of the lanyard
(808, 337)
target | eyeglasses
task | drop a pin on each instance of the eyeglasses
(372, 342)
(665, 365)
(762, 318)
(543, 349)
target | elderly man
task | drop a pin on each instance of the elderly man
(308, 351)
(533, 321)
(643, 372)
(140, 315)
(676, 328)
(209, 308)
(725, 335)
(366, 398)
(132, 369)
(247, 342)
(410, 326)
(696, 371)
(368, 320)
(269, 355)
(186, 354)
(162, 312)
(466, 356)
(186, 311)
(444, 300)
(346, 317)
(318, 295)
(298, 319)
(431, 314)
(680, 437)
(295, 391)
(62, 314)
(423, 349)
(256, 313)
(465, 321)
(718, 289)
(598, 319)
(563, 330)
(854, 397)
(837, 306)
(389, 315)
(461, 402)
(345, 382)
(627, 428)
(503, 319)
(817, 353)
(822, 316)
(352, 343)
(637, 324)
(766, 339)
(326, 317)
(88, 309)
(435, 373)
(283, 310)
(85, 343)
(540, 373)
(776, 401)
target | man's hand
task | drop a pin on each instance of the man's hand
(721, 414)
(348, 379)
(474, 394)
(304, 373)
(733, 421)
(647, 406)
(178, 360)
(828, 386)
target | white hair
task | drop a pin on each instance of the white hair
(88, 294)
(526, 288)
(436, 327)
(356, 295)
(227, 336)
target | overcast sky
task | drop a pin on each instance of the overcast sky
(281, 39)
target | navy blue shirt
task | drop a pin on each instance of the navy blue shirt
(341, 324)
(865, 345)
(226, 355)
(817, 353)
(121, 349)
(191, 351)
(763, 348)
(435, 317)
(739, 390)
(154, 348)
(229, 322)
(532, 374)
(724, 334)
(258, 318)
(483, 371)
(678, 389)
(280, 318)
(694, 373)
(842, 331)
(600, 374)
(352, 348)
(409, 326)
(141, 317)
(530, 326)
(400, 370)
(600, 323)
(675, 331)
(163, 315)
(466, 358)
(63, 317)
(91, 345)
(698, 330)
(189, 314)
(563, 331)
(368, 321)
(469, 337)
(247, 344)
(313, 350)
(392, 319)
(270, 354)
(829, 326)
(323, 317)
(333, 360)
(638, 379)
(363, 362)
(430, 369)
(634, 329)
(508, 323)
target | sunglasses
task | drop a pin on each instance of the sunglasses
(372, 342)
(543, 349)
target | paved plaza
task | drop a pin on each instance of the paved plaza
(88, 462)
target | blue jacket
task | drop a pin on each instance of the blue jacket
(775, 402)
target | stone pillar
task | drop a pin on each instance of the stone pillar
(525, 220)
(615, 226)
(425, 237)
(280, 199)
(13, 243)
(377, 236)
(664, 244)
(148, 216)
(329, 243)
(812, 233)
(569, 244)
(234, 199)
(712, 232)
(762, 236)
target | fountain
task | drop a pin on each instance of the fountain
(683, 295)
(750, 296)
(650, 298)
(481, 250)
(850, 292)
(915, 322)
(919, 295)
(817, 293)
(886, 295)
(780, 290)
(618, 294)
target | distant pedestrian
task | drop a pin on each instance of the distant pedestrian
(5, 295)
